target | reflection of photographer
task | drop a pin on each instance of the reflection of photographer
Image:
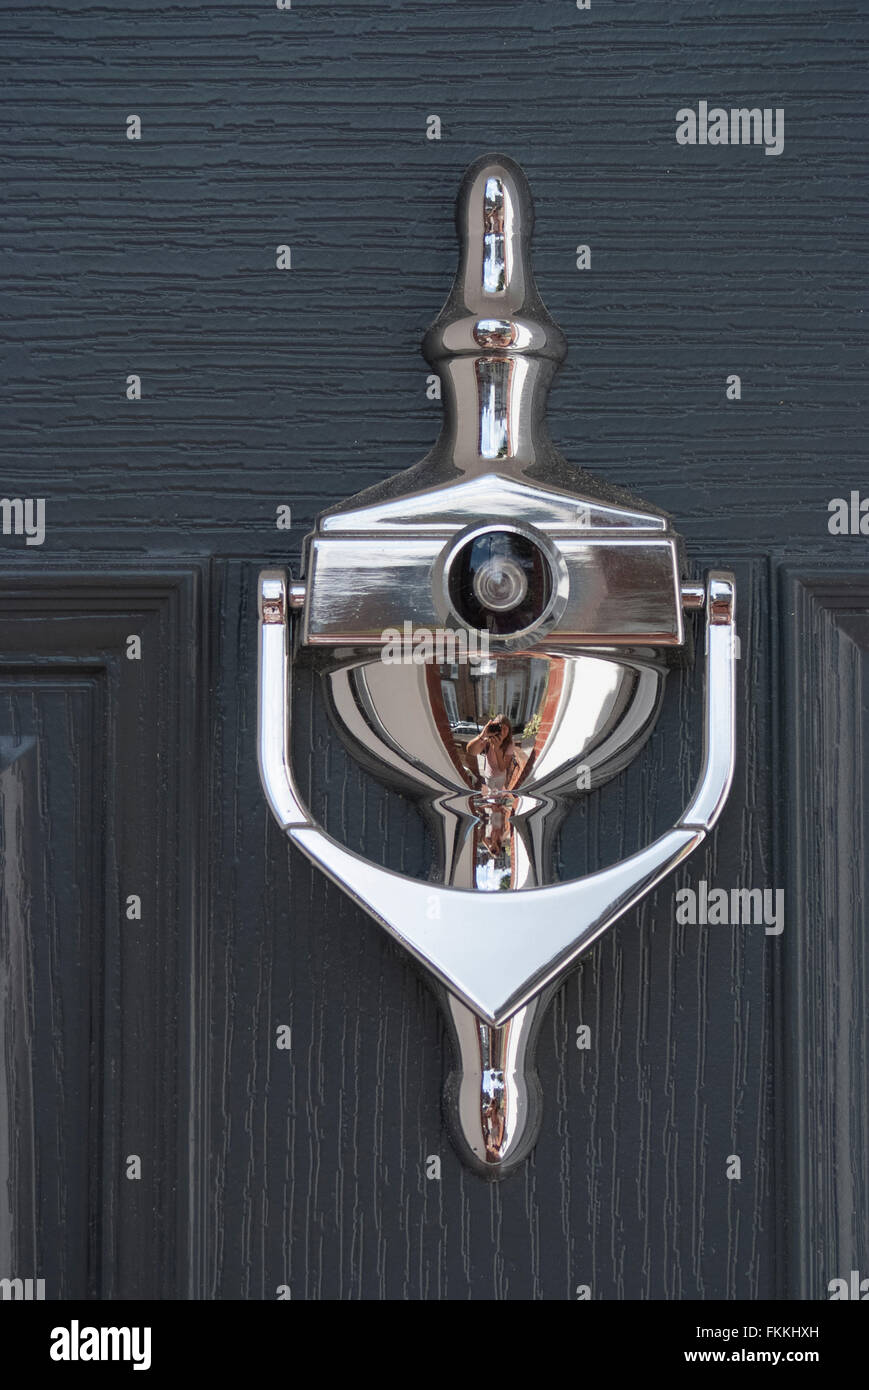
(502, 760)
(494, 824)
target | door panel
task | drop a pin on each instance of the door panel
(99, 907)
(826, 1003)
(323, 1188)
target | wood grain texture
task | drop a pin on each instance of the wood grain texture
(307, 127)
(263, 388)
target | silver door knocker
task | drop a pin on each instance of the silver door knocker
(494, 630)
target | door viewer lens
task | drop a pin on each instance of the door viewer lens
(500, 582)
(500, 585)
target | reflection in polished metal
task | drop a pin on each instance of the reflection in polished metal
(580, 593)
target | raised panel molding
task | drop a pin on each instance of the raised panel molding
(825, 990)
(100, 798)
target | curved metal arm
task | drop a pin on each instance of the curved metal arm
(496, 951)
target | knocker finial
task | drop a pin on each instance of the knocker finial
(494, 343)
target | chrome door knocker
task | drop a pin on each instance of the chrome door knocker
(494, 631)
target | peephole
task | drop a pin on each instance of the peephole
(500, 580)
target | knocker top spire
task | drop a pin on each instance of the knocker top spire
(494, 305)
(494, 344)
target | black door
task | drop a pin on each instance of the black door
(225, 229)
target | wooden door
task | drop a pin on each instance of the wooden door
(211, 332)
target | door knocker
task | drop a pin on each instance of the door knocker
(544, 609)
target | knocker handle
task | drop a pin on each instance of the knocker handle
(494, 952)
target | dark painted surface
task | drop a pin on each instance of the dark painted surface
(261, 388)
